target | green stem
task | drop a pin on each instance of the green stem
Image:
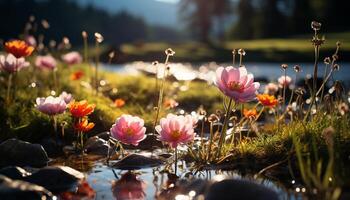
(210, 140)
(8, 94)
(224, 128)
(97, 65)
(161, 91)
(175, 160)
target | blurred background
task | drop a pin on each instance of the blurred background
(198, 30)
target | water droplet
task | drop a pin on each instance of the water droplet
(297, 189)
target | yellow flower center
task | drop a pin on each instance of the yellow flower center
(175, 135)
(235, 86)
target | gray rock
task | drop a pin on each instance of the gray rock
(56, 179)
(239, 190)
(20, 153)
(104, 135)
(97, 146)
(17, 173)
(13, 190)
(136, 161)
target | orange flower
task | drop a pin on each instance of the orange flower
(170, 103)
(76, 75)
(84, 125)
(119, 103)
(252, 113)
(19, 48)
(267, 100)
(81, 108)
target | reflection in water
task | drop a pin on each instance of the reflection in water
(129, 186)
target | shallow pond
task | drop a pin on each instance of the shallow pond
(151, 183)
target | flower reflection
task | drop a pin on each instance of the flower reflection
(128, 187)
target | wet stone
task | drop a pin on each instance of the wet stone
(149, 143)
(240, 190)
(19, 153)
(56, 179)
(136, 161)
(97, 146)
(14, 172)
(104, 135)
(16, 189)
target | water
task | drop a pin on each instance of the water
(271, 71)
(110, 183)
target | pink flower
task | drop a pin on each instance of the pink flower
(51, 105)
(72, 58)
(12, 64)
(271, 88)
(45, 62)
(236, 83)
(30, 40)
(284, 81)
(67, 97)
(176, 129)
(129, 130)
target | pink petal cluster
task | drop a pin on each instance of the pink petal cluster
(51, 105)
(11, 64)
(236, 83)
(176, 129)
(67, 97)
(30, 40)
(72, 58)
(129, 130)
(271, 88)
(284, 81)
(45, 62)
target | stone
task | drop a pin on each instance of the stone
(136, 161)
(16, 189)
(12, 172)
(56, 179)
(149, 143)
(97, 146)
(20, 153)
(52, 147)
(104, 135)
(239, 189)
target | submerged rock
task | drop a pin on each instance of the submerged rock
(56, 179)
(136, 161)
(239, 189)
(149, 143)
(20, 153)
(17, 173)
(16, 189)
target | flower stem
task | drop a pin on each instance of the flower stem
(210, 140)
(160, 97)
(8, 94)
(97, 65)
(175, 160)
(224, 128)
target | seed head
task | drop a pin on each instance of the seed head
(284, 66)
(241, 52)
(336, 67)
(335, 57)
(234, 52)
(316, 26)
(84, 34)
(99, 38)
(169, 52)
(45, 24)
(327, 60)
(155, 63)
(213, 118)
(338, 44)
(65, 41)
(297, 68)
(111, 54)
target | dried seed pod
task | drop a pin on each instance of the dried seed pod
(284, 66)
(213, 118)
(169, 52)
(316, 26)
(84, 34)
(327, 60)
(99, 38)
(297, 68)
(241, 52)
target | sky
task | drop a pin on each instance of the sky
(169, 1)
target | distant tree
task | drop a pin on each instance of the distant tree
(220, 9)
(197, 15)
(244, 28)
(270, 21)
